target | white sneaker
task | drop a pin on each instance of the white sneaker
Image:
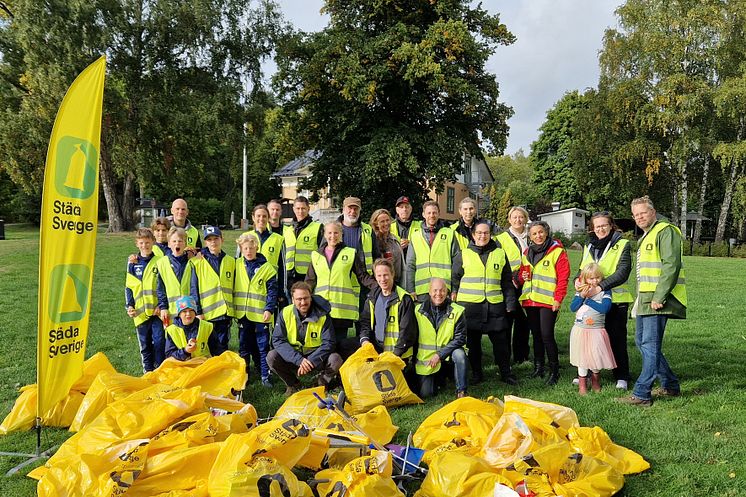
(621, 384)
(575, 381)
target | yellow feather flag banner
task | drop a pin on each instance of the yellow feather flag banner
(69, 214)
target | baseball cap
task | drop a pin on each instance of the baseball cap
(211, 231)
(402, 200)
(186, 302)
(351, 201)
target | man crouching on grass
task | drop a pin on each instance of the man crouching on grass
(303, 340)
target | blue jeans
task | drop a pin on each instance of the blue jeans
(152, 340)
(428, 385)
(649, 341)
(253, 342)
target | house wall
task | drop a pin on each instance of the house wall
(568, 222)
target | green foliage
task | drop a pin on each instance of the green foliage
(506, 202)
(392, 94)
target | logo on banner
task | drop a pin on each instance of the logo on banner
(68, 296)
(76, 167)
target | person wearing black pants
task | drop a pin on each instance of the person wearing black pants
(521, 333)
(541, 321)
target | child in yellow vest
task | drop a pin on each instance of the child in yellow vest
(188, 336)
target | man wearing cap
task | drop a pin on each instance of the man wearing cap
(179, 213)
(212, 288)
(404, 223)
(188, 336)
(356, 234)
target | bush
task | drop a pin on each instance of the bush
(567, 241)
(206, 211)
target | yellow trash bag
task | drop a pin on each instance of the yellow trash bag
(262, 477)
(177, 469)
(239, 421)
(509, 440)
(370, 380)
(557, 470)
(62, 414)
(555, 414)
(455, 474)
(193, 431)
(216, 376)
(139, 416)
(105, 389)
(595, 442)
(368, 476)
(103, 472)
(467, 419)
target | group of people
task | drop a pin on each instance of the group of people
(305, 295)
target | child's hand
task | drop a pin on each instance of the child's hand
(191, 345)
(267, 316)
(132, 258)
(556, 305)
(579, 285)
(164, 316)
(131, 312)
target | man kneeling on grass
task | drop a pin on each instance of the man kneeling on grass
(303, 340)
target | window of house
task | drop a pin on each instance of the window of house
(450, 200)
(467, 169)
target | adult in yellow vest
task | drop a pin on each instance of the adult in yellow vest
(462, 228)
(175, 275)
(212, 289)
(388, 244)
(188, 336)
(357, 234)
(254, 303)
(141, 302)
(514, 241)
(661, 295)
(302, 237)
(303, 340)
(404, 225)
(441, 339)
(611, 252)
(543, 277)
(274, 207)
(179, 213)
(431, 252)
(387, 320)
(336, 273)
(483, 285)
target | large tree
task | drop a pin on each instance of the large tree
(392, 94)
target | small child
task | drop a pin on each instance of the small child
(589, 343)
(141, 301)
(255, 300)
(212, 288)
(160, 227)
(188, 336)
(175, 274)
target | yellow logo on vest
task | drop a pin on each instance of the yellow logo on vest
(68, 298)
(76, 167)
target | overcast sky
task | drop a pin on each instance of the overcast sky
(556, 50)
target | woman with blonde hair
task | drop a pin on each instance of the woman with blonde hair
(388, 245)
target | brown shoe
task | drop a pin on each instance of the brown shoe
(291, 389)
(634, 401)
(665, 392)
(596, 382)
(583, 385)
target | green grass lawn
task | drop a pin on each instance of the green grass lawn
(696, 444)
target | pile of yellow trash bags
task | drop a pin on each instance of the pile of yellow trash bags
(179, 432)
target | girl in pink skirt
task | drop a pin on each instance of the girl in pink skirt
(589, 344)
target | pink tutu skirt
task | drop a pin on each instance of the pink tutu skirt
(590, 349)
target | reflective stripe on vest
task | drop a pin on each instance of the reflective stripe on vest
(432, 262)
(250, 295)
(144, 291)
(463, 241)
(649, 265)
(313, 331)
(391, 332)
(481, 282)
(430, 342)
(215, 291)
(608, 263)
(540, 288)
(175, 289)
(203, 333)
(512, 250)
(366, 237)
(271, 248)
(298, 251)
(335, 283)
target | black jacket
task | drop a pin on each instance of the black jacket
(319, 307)
(407, 322)
(459, 332)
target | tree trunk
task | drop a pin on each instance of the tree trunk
(725, 207)
(684, 199)
(701, 205)
(675, 201)
(108, 183)
(128, 202)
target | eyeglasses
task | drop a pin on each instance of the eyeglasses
(602, 227)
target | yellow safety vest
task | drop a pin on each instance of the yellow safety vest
(313, 331)
(394, 229)
(203, 332)
(298, 250)
(463, 241)
(430, 342)
(481, 282)
(366, 236)
(391, 333)
(335, 284)
(650, 266)
(175, 289)
(540, 288)
(143, 291)
(215, 291)
(250, 295)
(271, 248)
(192, 236)
(608, 263)
(432, 262)
(512, 250)
(158, 251)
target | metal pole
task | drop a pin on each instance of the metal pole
(245, 166)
